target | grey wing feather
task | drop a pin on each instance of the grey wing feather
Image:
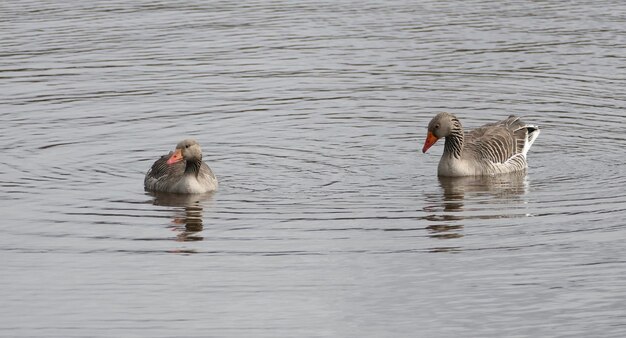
(500, 141)
(206, 172)
(160, 170)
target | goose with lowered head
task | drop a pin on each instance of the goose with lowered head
(181, 171)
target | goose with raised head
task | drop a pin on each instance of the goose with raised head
(494, 148)
(181, 171)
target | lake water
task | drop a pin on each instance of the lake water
(329, 221)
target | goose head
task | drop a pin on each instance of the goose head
(188, 150)
(440, 126)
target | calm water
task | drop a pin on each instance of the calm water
(330, 222)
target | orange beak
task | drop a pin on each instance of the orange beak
(430, 140)
(176, 157)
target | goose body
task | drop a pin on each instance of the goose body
(181, 171)
(494, 148)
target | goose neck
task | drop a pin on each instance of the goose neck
(192, 167)
(454, 142)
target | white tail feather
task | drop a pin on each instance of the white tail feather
(533, 133)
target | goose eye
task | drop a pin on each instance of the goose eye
(186, 146)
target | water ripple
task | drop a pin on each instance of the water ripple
(312, 116)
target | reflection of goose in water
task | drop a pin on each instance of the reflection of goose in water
(188, 222)
(502, 186)
(447, 215)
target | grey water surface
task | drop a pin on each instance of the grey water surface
(329, 221)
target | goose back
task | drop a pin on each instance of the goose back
(501, 147)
